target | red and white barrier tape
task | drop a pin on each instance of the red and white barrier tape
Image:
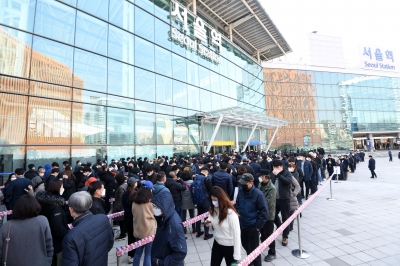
(123, 250)
(257, 252)
(5, 213)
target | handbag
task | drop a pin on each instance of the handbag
(7, 240)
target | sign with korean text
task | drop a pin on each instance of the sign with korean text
(199, 39)
(379, 58)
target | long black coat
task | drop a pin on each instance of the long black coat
(371, 164)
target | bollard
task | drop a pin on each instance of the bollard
(330, 185)
(118, 261)
(300, 253)
(111, 210)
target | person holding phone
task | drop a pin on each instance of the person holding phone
(225, 220)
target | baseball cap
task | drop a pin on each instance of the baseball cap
(246, 178)
(147, 184)
(131, 180)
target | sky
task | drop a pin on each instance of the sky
(357, 22)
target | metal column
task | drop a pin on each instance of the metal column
(272, 139)
(194, 7)
(251, 134)
(214, 133)
(237, 138)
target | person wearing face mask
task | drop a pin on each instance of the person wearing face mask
(52, 204)
(144, 222)
(119, 190)
(268, 189)
(97, 191)
(294, 198)
(225, 221)
(314, 176)
(169, 245)
(253, 211)
(151, 175)
(109, 184)
(127, 201)
(38, 181)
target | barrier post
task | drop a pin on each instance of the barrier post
(111, 210)
(118, 261)
(330, 185)
(300, 253)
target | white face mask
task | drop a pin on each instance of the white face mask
(41, 175)
(215, 203)
(103, 193)
(260, 179)
(61, 191)
(291, 169)
(157, 211)
(13, 178)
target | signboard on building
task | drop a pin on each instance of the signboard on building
(379, 58)
(200, 34)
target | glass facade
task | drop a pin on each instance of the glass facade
(85, 80)
(326, 108)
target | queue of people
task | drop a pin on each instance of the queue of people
(156, 197)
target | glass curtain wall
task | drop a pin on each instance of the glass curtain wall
(325, 108)
(84, 79)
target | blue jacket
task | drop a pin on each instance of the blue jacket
(169, 245)
(223, 180)
(89, 242)
(252, 208)
(14, 190)
(157, 187)
(308, 170)
(256, 167)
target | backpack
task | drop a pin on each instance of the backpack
(196, 190)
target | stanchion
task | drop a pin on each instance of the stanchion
(118, 261)
(330, 185)
(111, 211)
(300, 253)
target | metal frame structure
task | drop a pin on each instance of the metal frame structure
(240, 117)
(246, 23)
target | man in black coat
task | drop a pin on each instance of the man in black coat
(249, 169)
(330, 163)
(176, 186)
(31, 173)
(15, 189)
(89, 242)
(256, 167)
(371, 167)
(265, 164)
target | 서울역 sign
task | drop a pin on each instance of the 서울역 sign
(378, 58)
(200, 33)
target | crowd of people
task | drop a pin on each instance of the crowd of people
(246, 194)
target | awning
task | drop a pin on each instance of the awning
(237, 116)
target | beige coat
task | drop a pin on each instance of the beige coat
(144, 223)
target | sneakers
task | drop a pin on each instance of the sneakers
(120, 238)
(130, 259)
(269, 258)
(199, 234)
(284, 241)
(206, 237)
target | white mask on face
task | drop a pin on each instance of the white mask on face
(41, 175)
(157, 211)
(13, 178)
(103, 193)
(215, 203)
(291, 169)
(61, 191)
(260, 179)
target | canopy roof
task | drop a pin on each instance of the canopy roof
(237, 116)
(251, 25)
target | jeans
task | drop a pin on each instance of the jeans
(219, 252)
(266, 231)
(283, 206)
(147, 254)
(202, 208)
(319, 175)
(179, 211)
(250, 241)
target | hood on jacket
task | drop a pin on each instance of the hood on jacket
(165, 202)
(49, 198)
(47, 167)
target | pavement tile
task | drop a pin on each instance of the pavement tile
(336, 262)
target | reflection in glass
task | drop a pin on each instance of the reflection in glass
(121, 78)
(179, 67)
(163, 61)
(145, 106)
(52, 62)
(116, 152)
(180, 94)
(122, 14)
(89, 97)
(120, 126)
(49, 121)
(19, 14)
(18, 46)
(121, 45)
(13, 124)
(91, 33)
(144, 54)
(88, 124)
(148, 151)
(50, 90)
(164, 125)
(162, 34)
(145, 85)
(145, 128)
(55, 20)
(164, 90)
(98, 8)
(39, 155)
(91, 70)
(144, 24)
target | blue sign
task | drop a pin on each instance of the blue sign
(254, 143)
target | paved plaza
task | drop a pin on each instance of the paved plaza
(360, 228)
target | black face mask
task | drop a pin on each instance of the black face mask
(245, 187)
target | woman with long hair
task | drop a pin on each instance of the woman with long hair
(127, 201)
(144, 223)
(69, 184)
(225, 220)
